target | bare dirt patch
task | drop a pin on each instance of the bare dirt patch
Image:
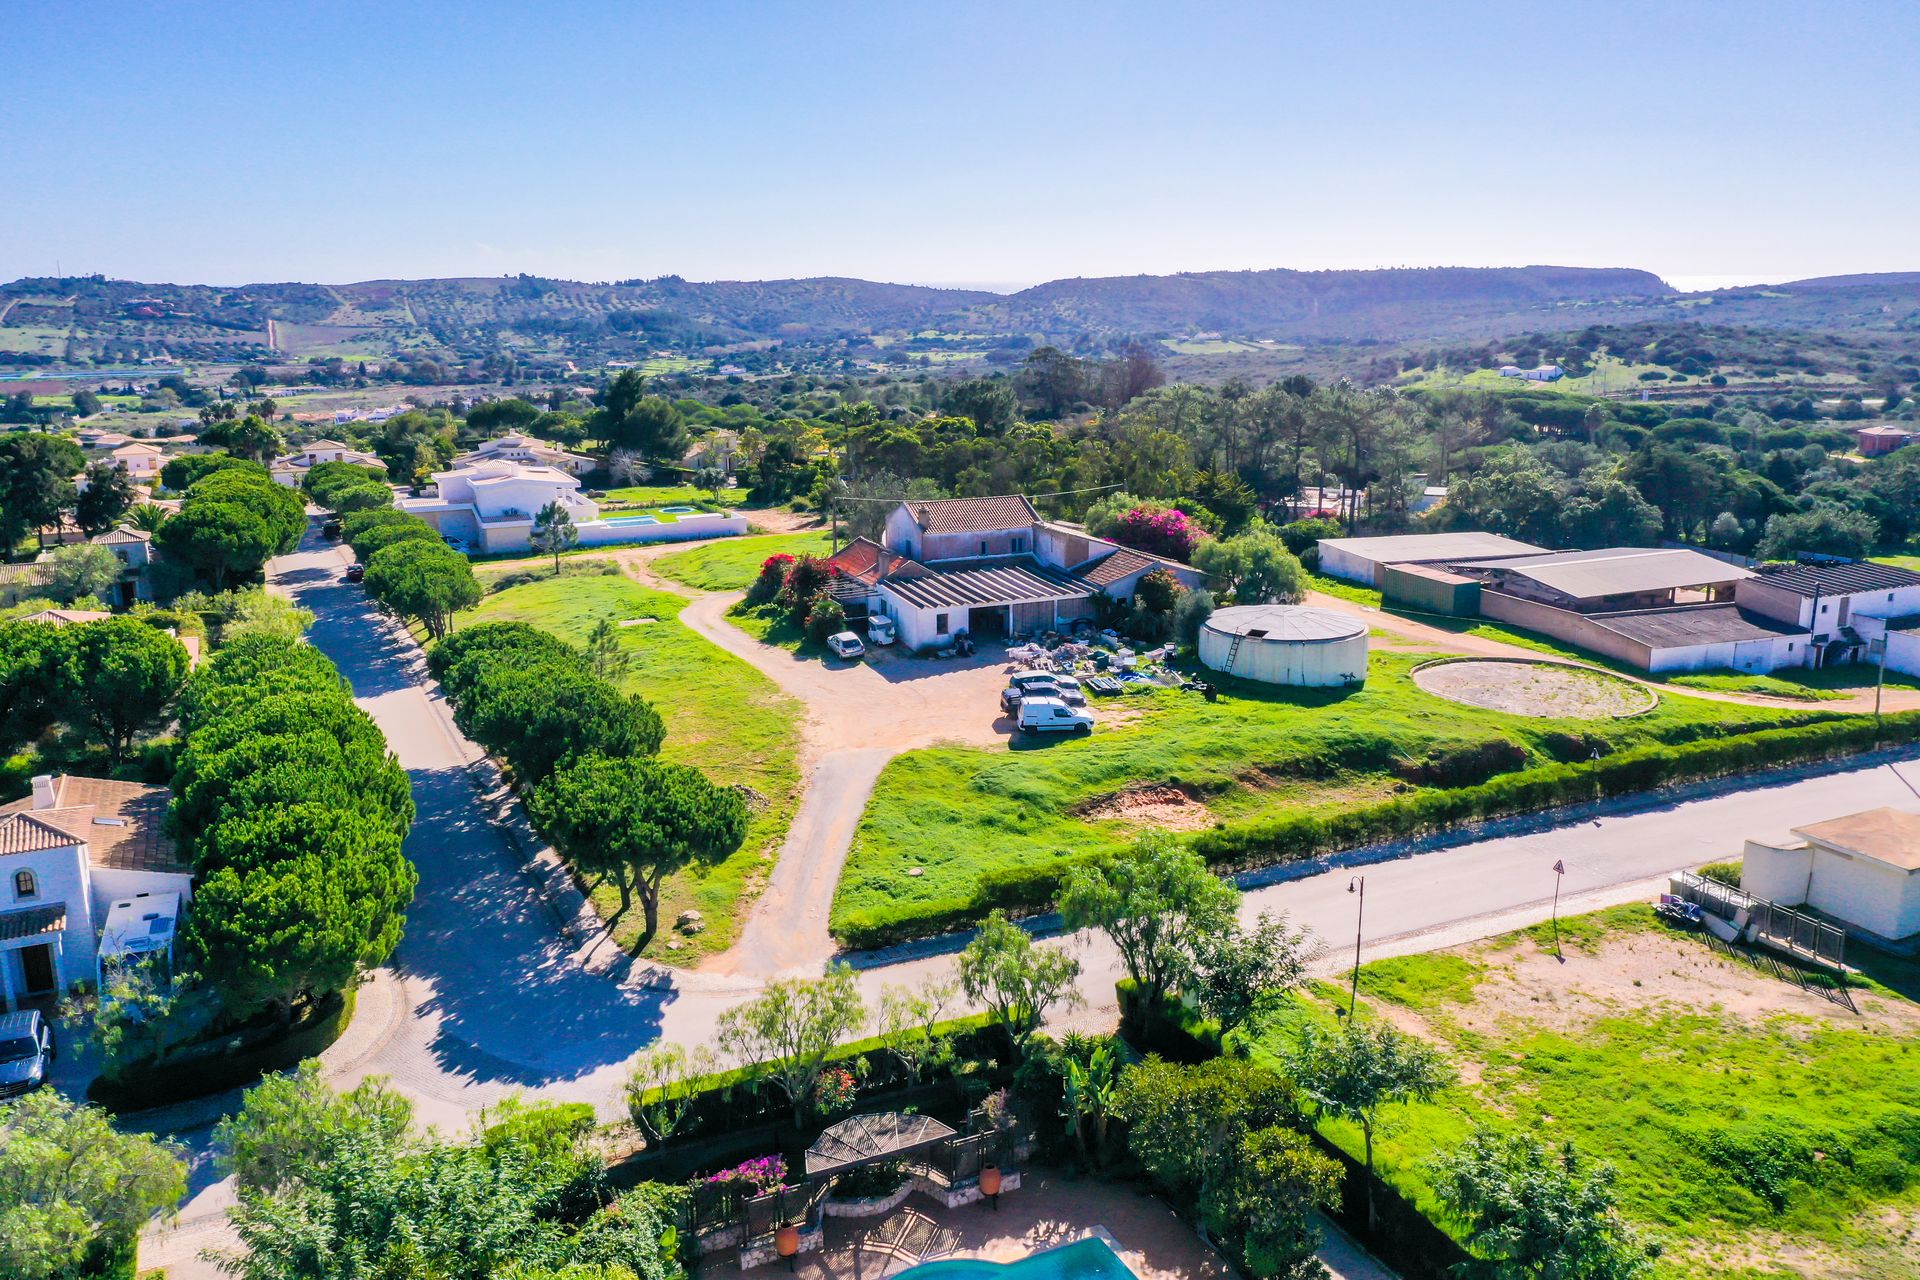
(1650, 969)
(1150, 804)
(1535, 689)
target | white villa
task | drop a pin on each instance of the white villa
(87, 873)
(293, 468)
(527, 450)
(986, 566)
(490, 505)
(141, 462)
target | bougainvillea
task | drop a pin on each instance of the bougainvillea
(773, 576)
(1162, 531)
(753, 1177)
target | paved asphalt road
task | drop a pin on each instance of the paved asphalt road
(491, 994)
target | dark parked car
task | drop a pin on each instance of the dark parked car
(355, 572)
(331, 529)
(26, 1052)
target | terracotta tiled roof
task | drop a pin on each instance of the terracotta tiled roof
(32, 922)
(1117, 566)
(121, 824)
(29, 833)
(124, 534)
(67, 617)
(863, 560)
(973, 515)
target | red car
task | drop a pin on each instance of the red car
(355, 572)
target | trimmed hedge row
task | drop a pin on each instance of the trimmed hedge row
(1298, 836)
(220, 1065)
(719, 1104)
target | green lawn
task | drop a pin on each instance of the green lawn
(1757, 1130)
(958, 812)
(682, 495)
(721, 715)
(733, 563)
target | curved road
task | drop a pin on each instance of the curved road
(504, 982)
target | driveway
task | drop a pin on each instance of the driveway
(504, 982)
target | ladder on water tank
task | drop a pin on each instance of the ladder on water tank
(1233, 651)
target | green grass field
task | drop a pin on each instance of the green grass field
(1758, 1131)
(721, 715)
(957, 812)
(731, 564)
(676, 495)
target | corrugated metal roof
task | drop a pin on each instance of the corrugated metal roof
(1839, 578)
(1431, 546)
(1692, 625)
(1613, 571)
(966, 588)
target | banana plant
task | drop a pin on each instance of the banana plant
(1090, 1088)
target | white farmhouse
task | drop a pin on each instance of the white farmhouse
(988, 567)
(141, 462)
(1846, 607)
(70, 854)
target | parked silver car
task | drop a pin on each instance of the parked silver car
(1042, 684)
(26, 1052)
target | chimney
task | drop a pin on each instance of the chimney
(43, 791)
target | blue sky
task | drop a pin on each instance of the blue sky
(980, 142)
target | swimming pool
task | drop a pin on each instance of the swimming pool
(679, 511)
(1088, 1259)
(630, 520)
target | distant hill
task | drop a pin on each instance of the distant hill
(79, 318)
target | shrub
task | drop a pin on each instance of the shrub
(772, 577)
(825, 618)
(1727, 873)
(1466, 766)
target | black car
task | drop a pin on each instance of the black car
(355, 572)
(331, 529)
(26, 1052)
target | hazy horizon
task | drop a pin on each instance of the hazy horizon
(211, 141)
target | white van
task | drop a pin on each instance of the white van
(1050, 715)
(880, 629)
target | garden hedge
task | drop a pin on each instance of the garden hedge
(1296, 836)
(728, 1100)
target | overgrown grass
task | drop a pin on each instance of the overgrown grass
(733, 563)
(721, 715)
(1753, 1146)
(959, 812)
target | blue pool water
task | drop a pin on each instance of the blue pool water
(1088, 1259)
(679, 511)
(630, 520)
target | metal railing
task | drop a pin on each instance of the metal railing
(1768, 923)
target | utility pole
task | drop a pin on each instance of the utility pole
(1358, 884)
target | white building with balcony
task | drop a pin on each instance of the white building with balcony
(491, 505)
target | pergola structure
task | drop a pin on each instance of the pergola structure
(870, 1139)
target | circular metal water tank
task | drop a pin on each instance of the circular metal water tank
(1285, 644)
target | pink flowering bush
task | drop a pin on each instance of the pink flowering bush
(753, 1177)
(835, 1090)
(1163, 531)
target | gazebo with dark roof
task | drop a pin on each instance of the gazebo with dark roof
(869, 1139)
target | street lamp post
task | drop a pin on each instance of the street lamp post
(1358, 884)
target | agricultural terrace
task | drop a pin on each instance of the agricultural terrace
(1179, 762)
(1758, 1128)
(732, 564)
(720, 713)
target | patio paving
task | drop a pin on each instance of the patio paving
(1049, 1209)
